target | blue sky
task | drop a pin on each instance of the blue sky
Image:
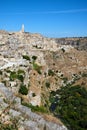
(53, 18)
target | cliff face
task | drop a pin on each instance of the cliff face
(79, 43)
(31, 67)
(19, 117)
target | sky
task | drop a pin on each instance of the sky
(51, 18)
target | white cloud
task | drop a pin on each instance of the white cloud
(47, 12)
(64, 11)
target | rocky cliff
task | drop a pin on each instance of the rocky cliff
(79, 43)
(31, 67)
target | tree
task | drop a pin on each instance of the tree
(71, 106)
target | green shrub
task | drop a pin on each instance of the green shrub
(65, 79)
(26, 57)
(34, 57)
(23, 90)
(47, 84)
(20, 71)
(20, 77)
(37, 68)
(8, 71)
(13, 76)
(17, 75)
(70, 106)
(41, 109)
(50, 72)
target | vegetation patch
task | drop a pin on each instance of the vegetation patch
(23, 89)
(34, 57)
(70, 104)
(37, 68)
(41, 109)
(13, 76)
(47, 84)
(51, 72)
(20, 71)
(20, 77)
(65, 79)
(26, 57)
(11, 126)
(17, 75)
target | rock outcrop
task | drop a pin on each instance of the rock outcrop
(27, 120)
(31, 67)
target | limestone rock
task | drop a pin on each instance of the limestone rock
(8, 94)
(30, 125)
(14, 113)
(59, 62)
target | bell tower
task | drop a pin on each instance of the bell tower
(22, 29)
